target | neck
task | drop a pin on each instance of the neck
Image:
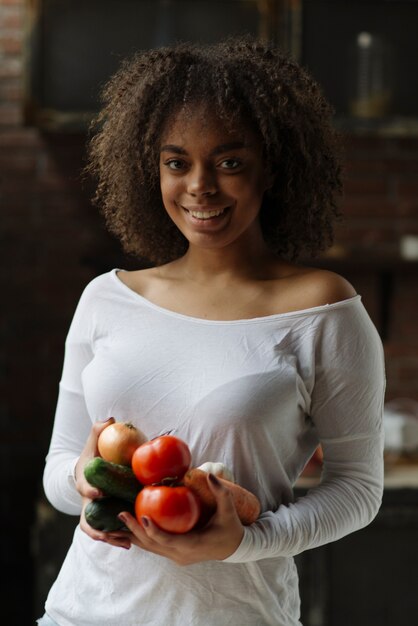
(232, 263)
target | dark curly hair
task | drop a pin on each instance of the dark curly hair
(243, 80)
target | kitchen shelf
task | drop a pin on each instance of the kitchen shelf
(395, 126)
(404, 476)
(321, 34)
(66, 67)
(367, 577)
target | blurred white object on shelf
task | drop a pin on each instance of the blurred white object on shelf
(400, 420)
(409, 247)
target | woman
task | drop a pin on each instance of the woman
(217, 164)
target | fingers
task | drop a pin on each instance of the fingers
(225, 522)
(89, 451)
(88, 491)
(224, 502)
(148, 534)
(217, 541)
(130, 522)
(83, 486)
(97, 428)
(146, 531)
(119, 539)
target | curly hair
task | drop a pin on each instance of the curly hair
(244, 81)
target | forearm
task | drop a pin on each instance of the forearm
(59, 483)
(347, 499)
(71, 429)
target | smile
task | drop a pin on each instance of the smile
(205, 215)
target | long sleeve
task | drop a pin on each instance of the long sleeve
(346, 409)
(256, 394)
(72, 422)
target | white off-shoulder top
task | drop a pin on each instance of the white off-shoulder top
(256, 394)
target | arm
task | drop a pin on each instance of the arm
(72, 423)
(346, 408)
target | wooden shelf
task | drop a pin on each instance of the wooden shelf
(396, 126)
(396, 477)
(359, 261)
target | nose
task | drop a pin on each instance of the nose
(202, 182)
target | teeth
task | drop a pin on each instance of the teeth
(206, 215)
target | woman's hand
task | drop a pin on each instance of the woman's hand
(119, 538)
(89, 451)
(216, 541)
(88, 492)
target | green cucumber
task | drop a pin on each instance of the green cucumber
(112, 479)
(102, 513)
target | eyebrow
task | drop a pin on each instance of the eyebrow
(224, 147)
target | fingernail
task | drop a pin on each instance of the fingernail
(122, 517)
(106, 419)
(214, 480)
(145, 521)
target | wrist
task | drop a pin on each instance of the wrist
(73, 470)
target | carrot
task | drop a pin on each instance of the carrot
(246, 503)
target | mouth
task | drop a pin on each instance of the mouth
(205, 214)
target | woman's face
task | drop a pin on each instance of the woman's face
(212, 179)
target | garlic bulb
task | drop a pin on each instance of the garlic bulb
(218, 469)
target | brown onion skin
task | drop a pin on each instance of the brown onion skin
(118, 441)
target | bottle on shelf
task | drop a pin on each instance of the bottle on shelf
(370, 77)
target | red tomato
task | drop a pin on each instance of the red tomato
(160, 458)
(173, 509)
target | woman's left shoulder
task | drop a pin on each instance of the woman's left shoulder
(328, 287)
(319, 287)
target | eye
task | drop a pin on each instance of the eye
(231, 164)
(175, 164)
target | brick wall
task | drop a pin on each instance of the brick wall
(381, 207)
(53, 243)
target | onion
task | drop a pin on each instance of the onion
(118, 441)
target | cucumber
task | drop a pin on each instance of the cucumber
(112, 479)
(102, 513)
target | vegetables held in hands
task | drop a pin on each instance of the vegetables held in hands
(174, 509)
(118, 441)
(112, 479)
(102, 513)
(217, 469)
(161, 459)
(246, 503)
(175, 497)
(160, 464)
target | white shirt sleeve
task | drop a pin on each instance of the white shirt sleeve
(72, 423)
(347, 410)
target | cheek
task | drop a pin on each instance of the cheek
(253, 190)
(260, 182)
(168, 187)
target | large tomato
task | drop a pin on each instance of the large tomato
(173, 509)
(118, 441)
(164, 457)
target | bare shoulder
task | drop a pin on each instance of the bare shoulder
(322, 287)
(297, 288)
(137, 280)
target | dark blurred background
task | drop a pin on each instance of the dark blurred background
(54, 57)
